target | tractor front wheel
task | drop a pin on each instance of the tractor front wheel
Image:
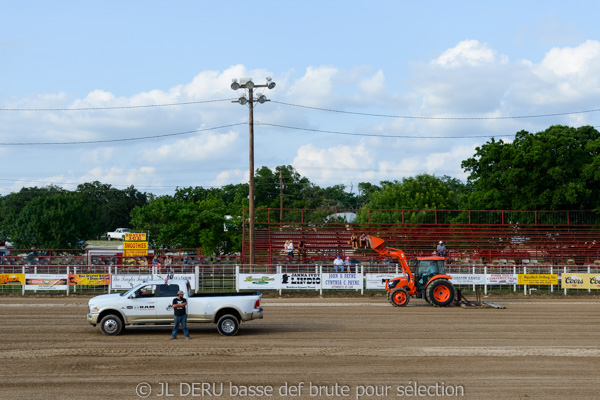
(440, 292)
(399, 297)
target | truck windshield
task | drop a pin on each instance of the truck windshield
(131, 290)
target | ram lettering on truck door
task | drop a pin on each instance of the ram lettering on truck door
(142, 306)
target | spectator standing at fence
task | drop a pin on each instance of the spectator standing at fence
(338, 263)
(180, 315)
(441, 249)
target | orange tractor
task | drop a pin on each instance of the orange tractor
(429, 281)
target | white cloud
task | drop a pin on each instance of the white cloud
(567, 74)
(467, 53)
(373, 86)
(201, 147)
(315, 87)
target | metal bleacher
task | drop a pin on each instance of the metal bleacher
(477, 237)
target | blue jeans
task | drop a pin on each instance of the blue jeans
(183, 321)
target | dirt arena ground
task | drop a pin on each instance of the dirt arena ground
(310, 348)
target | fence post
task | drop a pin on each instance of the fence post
(316, 272)
(25, 281)
(564, 272)
(485, 284)
(362, 278)
(237, 278)
(551, 272)
(473, 272)
(75, 286)
(321, 288)
(525, 286)
(197, 277)
(590, 289)
(110, 276)
(278, 272)
(68, 286)
(515, 273)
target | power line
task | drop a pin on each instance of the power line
(115, 107)
(122, 139)
(435, 118)
(374, 134)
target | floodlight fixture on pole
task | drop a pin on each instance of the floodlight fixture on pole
(248, 84)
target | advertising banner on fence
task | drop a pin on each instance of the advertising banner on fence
(377, 281)
(502, 279)
(468, 279)
(300, 281)
(12, 279)
(259, 281)
(124, 282)
(581, 281)
(342, 281)
(188, 277)
(46, 281)
(89, 279)
(538, 279)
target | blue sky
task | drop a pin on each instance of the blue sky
(471, 59)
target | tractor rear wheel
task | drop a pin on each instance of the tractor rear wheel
(399, 297)
(440, 292)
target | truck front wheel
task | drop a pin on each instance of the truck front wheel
(111, 325)
(228, 325)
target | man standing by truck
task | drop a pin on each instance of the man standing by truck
(179, 304)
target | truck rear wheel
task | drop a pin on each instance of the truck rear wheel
(399, 297)
(111, 325)
(228, 325)
(440, 292)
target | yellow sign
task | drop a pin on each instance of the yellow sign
(135, 237)
(581, 281)
(89, 279)
(538, 279)
(135, 245)
(135, 252)
(12, 279)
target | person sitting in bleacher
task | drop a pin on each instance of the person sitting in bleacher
(441, 249)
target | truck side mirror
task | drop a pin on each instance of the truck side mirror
(132, 296)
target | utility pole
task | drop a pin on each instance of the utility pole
(280, 195)
(246, 83)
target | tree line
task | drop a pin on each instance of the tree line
(556, 169)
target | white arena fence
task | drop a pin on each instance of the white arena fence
(316, 279)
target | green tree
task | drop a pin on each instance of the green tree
(110, 207)
(556, 169)
(58, 221)
(12, 204)
(423, 192)
(189, 219)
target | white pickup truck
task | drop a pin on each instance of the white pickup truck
(151, 303)
(118, 234)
